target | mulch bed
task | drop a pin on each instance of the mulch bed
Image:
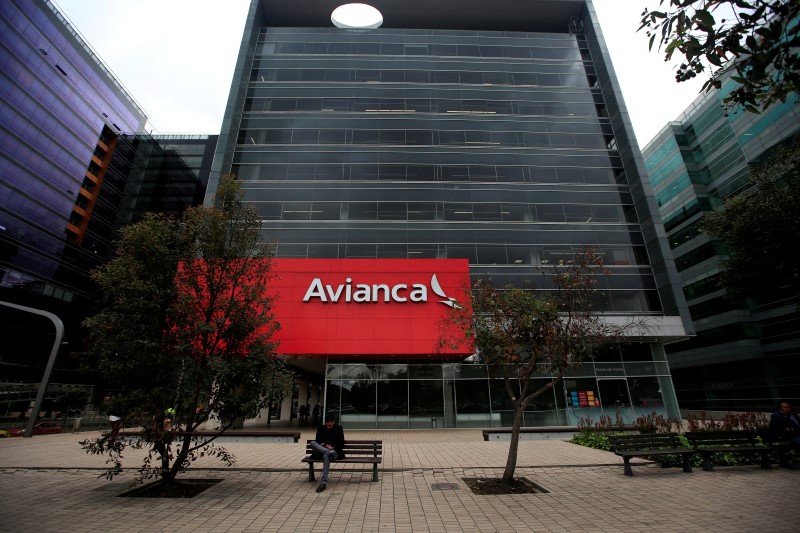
(186, 488)
(495, 486)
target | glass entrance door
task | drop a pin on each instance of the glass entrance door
(615, 399)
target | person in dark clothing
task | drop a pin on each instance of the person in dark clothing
(328, 446)
(783, 422)
(316, 412)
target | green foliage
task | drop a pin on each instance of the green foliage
(759, 228)
(754, 39)
(592, 439)
(72, 401)
(187, 332)
(523, 334)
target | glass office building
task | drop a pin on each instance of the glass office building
(491, 131)
(62, 113)
(75, 165)
(745, 354)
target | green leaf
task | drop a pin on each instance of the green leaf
(705, 18)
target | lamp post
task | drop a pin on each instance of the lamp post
(37, 405)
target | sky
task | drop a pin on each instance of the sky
(176, 57)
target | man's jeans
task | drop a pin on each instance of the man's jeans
(327, 455)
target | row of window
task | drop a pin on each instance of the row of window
(447, 212)
(452, 157)
(428, 173)
(503, 139)
(421, 49)
(480, 254)
(420, 105)
(571, 79)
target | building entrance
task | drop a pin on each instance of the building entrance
(615, 399)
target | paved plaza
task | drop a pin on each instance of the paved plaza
(49, 484)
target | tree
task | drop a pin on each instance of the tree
(524, 335)
(755, 40)
(187, 333)
(759, 227)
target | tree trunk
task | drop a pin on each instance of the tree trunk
(513, 448)
(167, 477)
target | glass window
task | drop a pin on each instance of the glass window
(514, 213)
(486, 212)
(462, 252)
(454, 173)
(316, 74)
(461, 212)
(392, 406)
(296, 211)
(550, 213)
(331, 137)
(305, 136)
(392, 251)
(422, 211)
(545, 401)
(393, 371)
(518, 255)
(426, 401)
(392, 76)
(474, 78)
(366, 136)
(472, 396)
(425, 371)
(491, 255)
(361, 250)
(363, 211)
(325, 211)
(330, 251)
(392, 211)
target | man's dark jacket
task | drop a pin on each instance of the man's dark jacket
(783, 424)
(333, 436)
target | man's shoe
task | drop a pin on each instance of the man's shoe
(321, 487)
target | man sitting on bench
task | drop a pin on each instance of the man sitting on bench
(328, 446)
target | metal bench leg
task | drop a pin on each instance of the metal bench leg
(627, 467)
(707, 465)
(687, 462)
(783, 458)
(765, 462)
(311, 472)
(375, 472)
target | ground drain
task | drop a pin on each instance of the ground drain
(444, 486)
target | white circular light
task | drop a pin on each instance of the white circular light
(359, 16)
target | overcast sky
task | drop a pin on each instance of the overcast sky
(176, 57)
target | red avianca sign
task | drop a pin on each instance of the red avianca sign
(369, 307)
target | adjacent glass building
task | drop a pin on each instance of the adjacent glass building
(745, 354)
(494, 132)
(75, 165)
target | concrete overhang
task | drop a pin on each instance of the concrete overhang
(498, 15)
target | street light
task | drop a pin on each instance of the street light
(37, 405)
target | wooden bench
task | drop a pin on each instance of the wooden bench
(708, 443)
(649, 445)
(355, 451)
(780, 442)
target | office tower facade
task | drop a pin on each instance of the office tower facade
(75, 165)
(491, 132)
(745, 353)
